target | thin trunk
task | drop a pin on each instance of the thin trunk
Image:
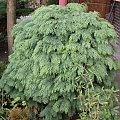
(11, 19)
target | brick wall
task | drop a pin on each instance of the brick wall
(116, 23)
(116, 18)
(101, 6)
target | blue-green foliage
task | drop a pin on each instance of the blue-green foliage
(63, 60)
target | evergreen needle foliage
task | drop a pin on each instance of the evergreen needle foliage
(62, 60)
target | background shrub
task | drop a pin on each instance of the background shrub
(21, 10)
(2, 67)
(3, 97)
(63, 62)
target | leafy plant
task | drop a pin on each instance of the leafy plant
(63, 62)
(9, 106)
(20, 5)
(3, 97)
(2, 67)
(2, 8)
(20, 111)
(21, 10)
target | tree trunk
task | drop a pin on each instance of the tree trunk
(44, 2)
(62, 2)
(11, 19)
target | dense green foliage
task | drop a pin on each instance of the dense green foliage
(62, 60)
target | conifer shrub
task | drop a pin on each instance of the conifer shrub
(62, 60)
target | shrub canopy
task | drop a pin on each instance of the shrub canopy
(63, 60)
